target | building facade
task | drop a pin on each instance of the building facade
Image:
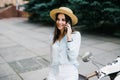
(13, 2)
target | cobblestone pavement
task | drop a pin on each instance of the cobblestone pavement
(24, 50)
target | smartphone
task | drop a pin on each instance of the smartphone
(68, 22)
(65, 27)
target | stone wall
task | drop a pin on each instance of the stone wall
(12, 12)
(8, 12)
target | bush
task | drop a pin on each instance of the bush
(94, 14)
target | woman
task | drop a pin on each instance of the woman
(65, 44)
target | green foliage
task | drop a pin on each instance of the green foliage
(39, 9)
(99, 14)
(93, 14)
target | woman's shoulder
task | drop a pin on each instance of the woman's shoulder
(76, 32)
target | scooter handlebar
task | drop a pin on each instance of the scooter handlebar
(95, 73)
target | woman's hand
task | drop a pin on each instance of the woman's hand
(69, 31)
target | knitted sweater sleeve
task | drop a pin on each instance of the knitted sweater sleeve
(73, 47)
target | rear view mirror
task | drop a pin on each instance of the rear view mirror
(86, 57)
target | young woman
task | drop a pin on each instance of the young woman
(65, 45)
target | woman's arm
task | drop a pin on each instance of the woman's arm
(73, 46)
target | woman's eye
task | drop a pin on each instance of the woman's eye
(63, 20)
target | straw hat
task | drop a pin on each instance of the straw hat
(66, 11)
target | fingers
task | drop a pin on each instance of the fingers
(68, 25)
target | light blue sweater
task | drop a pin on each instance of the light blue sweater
(63, 52)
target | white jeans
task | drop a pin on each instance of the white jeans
(66, 72)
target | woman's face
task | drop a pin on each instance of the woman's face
(61, 21)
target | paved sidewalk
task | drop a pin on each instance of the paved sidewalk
(24, 50)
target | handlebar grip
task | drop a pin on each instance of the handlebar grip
(92, 74)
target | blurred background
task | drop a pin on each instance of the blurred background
(95, 16)
(25, 26)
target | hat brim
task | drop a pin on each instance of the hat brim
(71, 15)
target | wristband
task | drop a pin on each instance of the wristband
(70, 40)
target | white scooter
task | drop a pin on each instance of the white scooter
(112, 69)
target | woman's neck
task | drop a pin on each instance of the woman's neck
(61, 35)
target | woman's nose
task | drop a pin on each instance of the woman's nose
(60, 22)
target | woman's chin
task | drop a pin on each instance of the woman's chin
(60, 28)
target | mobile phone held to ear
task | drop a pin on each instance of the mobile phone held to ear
(65, 29)
(68, 22)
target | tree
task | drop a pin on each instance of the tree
(100, 15)
(39, 9)
(93, 14)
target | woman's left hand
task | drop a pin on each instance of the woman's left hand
(69, 31)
